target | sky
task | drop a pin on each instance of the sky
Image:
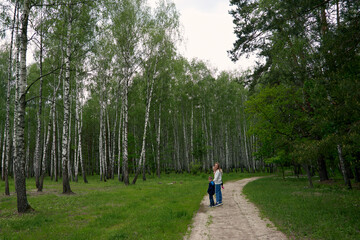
(208, 33)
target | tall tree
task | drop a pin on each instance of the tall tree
(20, 180)
(66, 97)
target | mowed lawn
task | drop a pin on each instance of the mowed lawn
(159, 208)
(327, 211)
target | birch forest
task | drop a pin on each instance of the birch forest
(100, 88)
(108, 94)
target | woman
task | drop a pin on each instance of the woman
(218, 182)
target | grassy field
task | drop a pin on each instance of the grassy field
(328, 211)
(154, 209)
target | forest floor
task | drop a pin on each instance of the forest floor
(236, 219)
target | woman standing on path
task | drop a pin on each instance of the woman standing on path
(218, 182)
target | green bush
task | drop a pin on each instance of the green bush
(195, 168)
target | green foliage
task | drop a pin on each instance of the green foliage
(304, 101)
(195, 168)
(324, 212)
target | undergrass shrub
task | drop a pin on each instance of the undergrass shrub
(327, 211)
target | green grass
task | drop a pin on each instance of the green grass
(110, 210)
(328, 211)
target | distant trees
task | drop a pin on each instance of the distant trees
(310, 49)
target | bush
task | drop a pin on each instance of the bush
(195, 168)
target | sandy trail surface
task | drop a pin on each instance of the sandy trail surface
(236, 219)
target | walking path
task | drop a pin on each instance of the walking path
(236, 219)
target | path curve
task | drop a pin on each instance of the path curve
(236, 219)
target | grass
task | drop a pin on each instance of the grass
(155, 209)
(328, 211)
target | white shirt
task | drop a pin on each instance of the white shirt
(217, 178)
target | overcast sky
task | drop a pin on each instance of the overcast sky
(208, 32)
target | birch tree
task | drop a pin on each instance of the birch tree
(6, 148)
(22, 203)
(66, 98)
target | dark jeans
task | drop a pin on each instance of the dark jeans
(211, 200)
(218, 193)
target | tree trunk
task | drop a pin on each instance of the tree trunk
(101, 139)
(69, 141)
(113, 139)
(147, 113)
(22, 203)
(343, 167)
(246, 149)
(211, 144)
(77, 127)
(119, 143)
(37, 159)
(226, 150)
(59, 151)
(6, 148)
(66, 87)
(109, 147)
(125, 132)
(80, 149)
(46, 142)
(186, 144)
(308, 175)
(158, 144)
(27, 159)
(3, 156)
(322, 168)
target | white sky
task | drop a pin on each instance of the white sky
(208, 33)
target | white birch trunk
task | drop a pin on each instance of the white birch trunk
(55, 158)
(101, 152)
(69, 142)
(18, 66)
(119, 143)
(109, 146)
(37, 158)
(76, 160)
(66, 99)
(105, 156)
(343, 167)
(192, 134)
(207, 162)
(246, 149)
(6, 148)
(76, 164)
(80, 149)
(46, 145)
(186, 145)
(59, 151)
(22, 203)
(27, 159)
(2, 146)
(147, 114)
(125, 132)
(211, 144)
(226, 149)
(158, 144)
(113, 140)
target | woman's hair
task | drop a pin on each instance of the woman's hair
(218, 166)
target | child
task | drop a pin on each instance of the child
(211, 191)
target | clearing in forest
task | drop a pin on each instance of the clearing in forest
(236, 219)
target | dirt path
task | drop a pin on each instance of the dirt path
(236, 219)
